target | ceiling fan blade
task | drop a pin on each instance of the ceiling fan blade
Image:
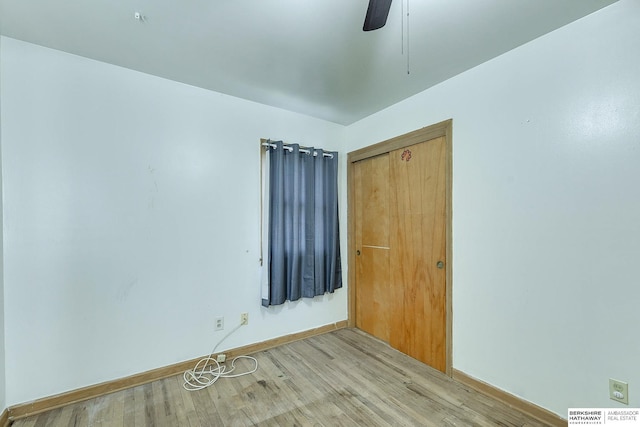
(377, 13)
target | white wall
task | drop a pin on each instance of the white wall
(131, 221)
(3, 384)
(3, 399)
(546, 294)
(131, 212)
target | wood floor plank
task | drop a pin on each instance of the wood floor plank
(184, 404)
(65, 415)
(163, 404)
(129, 408)
(78, 415)
(344, 378)
(139, 416)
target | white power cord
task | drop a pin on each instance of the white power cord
(206, 373)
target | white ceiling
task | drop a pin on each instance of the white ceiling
(306, 56)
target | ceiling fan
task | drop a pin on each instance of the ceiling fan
(377, 13)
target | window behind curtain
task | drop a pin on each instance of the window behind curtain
(302, 242)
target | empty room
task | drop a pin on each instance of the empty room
(337, 213)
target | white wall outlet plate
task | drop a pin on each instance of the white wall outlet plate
(219, 323)
(619, 391)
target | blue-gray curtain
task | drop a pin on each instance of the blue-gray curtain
(303, 231)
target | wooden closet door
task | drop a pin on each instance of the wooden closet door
(373, 291)
(400, 239)
(418, 256)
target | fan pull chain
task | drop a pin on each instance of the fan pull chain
(408, 62)
(402, 27)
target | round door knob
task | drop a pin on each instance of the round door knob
(358, 253)
(440, 264)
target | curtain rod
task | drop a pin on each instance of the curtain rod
(302, 150)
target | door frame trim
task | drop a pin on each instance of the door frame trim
(444, 128)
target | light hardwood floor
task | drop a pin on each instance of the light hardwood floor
(342, 378)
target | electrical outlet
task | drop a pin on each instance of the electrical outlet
(619, 391)
(219, 323)
(244, 318)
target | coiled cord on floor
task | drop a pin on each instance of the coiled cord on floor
(207, 371)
